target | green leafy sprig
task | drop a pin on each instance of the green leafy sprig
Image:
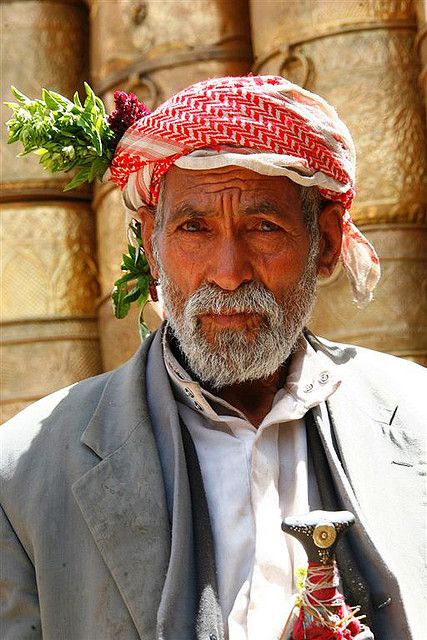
(136, 273)
(68, 135)
(64, 133)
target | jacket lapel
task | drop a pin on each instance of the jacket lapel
(126, 517)
(176, 613)
(361, 423)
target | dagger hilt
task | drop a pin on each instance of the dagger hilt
(319, 532)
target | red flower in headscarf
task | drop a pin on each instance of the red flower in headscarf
(128, 110)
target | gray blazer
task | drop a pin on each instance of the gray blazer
(93, 475)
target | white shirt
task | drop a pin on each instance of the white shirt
(253, 478)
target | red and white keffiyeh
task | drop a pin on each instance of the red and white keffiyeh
(263, 123)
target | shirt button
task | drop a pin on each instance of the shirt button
(308, 388)
(198, 406)
(189, 393)
(324, 377)
(212, 636)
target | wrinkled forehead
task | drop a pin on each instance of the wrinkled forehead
(208, 188)
(224, 178)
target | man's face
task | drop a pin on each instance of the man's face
(238, 277)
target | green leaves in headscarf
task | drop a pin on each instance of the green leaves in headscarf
(65, 134)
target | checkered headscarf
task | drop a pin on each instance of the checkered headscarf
(263, 123)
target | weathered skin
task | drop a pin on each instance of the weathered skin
(230, 226)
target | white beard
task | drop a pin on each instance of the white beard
(237, 355)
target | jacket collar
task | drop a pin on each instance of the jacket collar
(122, 497)
(121, 408)
(355, 392)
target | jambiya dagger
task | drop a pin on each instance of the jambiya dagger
(322, 613)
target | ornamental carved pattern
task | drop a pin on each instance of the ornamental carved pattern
(148, 33)
(150, 28)
(376, 93)
(371, 77)
(48, 261)
(395, 321)
(64, 361)
(276, 23)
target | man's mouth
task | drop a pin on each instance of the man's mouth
(232, 319)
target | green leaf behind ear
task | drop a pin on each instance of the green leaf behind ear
(121, 308)
(133, 295)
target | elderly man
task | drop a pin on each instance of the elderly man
(147, 502)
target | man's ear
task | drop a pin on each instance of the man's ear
(330, 228)
(147, 215)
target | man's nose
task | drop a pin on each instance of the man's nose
(229, 265)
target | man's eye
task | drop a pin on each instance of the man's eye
(265, 225)
(191, 225)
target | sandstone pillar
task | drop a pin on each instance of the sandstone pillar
(48, 268)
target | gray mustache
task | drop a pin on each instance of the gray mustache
(250, 297)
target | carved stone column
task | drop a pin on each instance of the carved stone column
(154, 49)
(48, 270)
(361, 57)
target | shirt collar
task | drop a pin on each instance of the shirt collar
(312, 378)
(190, 392)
